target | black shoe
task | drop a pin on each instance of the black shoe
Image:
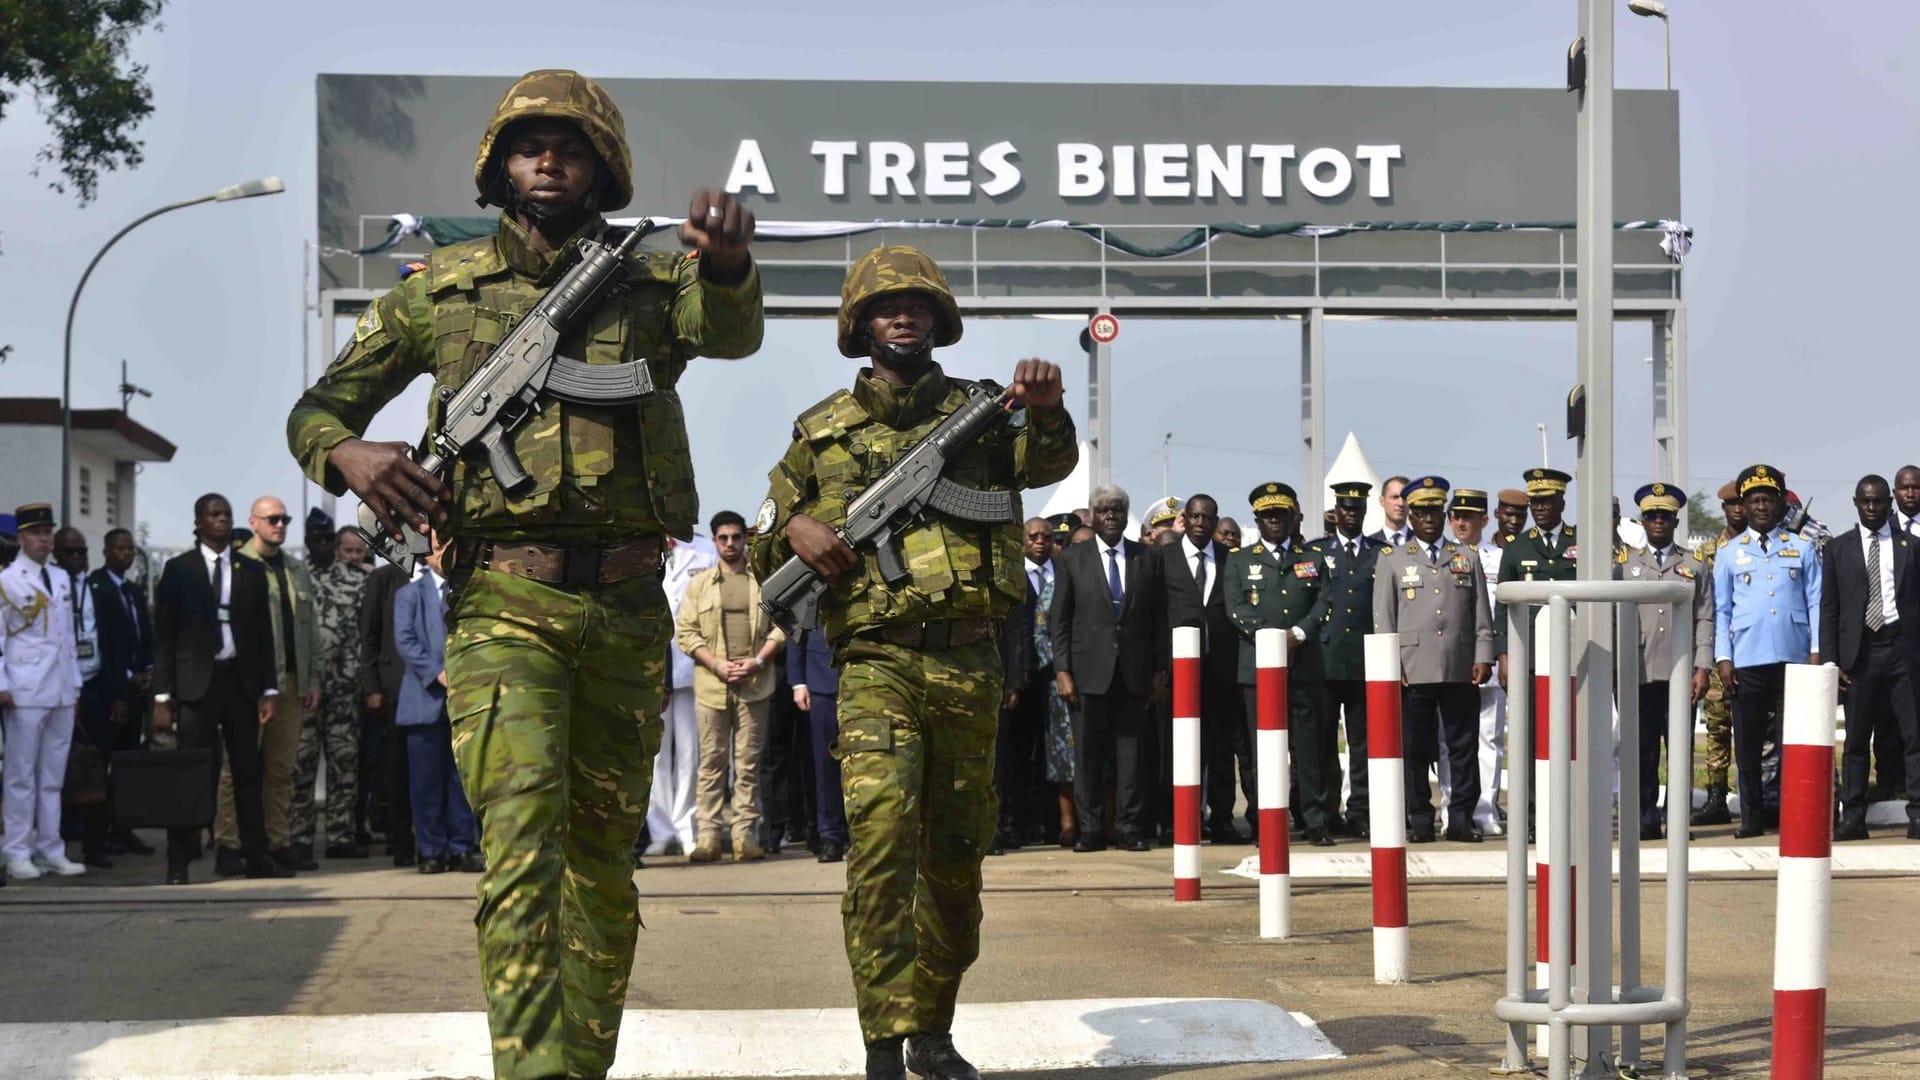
(672, 847)
(347, 851)
(1851, 828)
(129, 843)
(1225, 833)
(404, 858)
(1744, 833)
(797, 834)
(303, 853)
(831, 851)
(1463, 834)
(1089, 843)
(1318, 837)
(293, 858)
(1913, 830)
(994, 848)
(268, 868)
(934, 1058)
(468, 862)
(97, 860)
(1421, 834)
(1069, 837)
(884, 1061)
(1652, 832)
(228, 863)
(772, 846)
(638, 862)
(433, 864)
(1714, 811)
(177, 875)
(1134, 843)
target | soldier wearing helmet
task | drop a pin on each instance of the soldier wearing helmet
(557, 624)
(921, 662)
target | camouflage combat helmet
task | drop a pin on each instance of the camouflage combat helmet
(890, 270)
(563, 95)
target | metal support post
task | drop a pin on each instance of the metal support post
(1560, 914)
(1313, 417)
(1099, 400)
(1520, 794)
(1676, 342)
(1627, 649)
(1679, 817)
(1662, 372)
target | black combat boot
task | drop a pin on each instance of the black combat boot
(934, 1058)
(1714, 810)
(883, 1060)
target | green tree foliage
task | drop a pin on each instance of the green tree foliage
(71, 57)
(1703, 520)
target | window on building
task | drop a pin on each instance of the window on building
(113, 502)
(86, 491)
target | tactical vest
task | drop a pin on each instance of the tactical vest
(475, 301)
(850, 450)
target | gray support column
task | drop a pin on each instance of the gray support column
(1099, 407)
(1662, 372)
(1313, 421)
(1593, 628)
(1677, 395)
(328, 349)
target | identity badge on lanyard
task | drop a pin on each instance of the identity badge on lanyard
(84, 645)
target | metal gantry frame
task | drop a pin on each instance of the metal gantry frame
(1333, 288)
(1580, 995)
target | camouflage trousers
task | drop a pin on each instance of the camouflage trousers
(333, 732)
(1718, 713)
(916, 755)
(554, 696)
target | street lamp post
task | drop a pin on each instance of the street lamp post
(268, 186)
(1655, 9)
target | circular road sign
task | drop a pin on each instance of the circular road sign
(1104, 328)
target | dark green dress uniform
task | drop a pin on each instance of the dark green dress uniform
(1348, 579)
(1282, 587)
(1535, 556)
(920, 667)
(554, 688)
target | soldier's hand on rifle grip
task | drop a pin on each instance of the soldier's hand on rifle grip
(820, 547)
(1036, 384)
(720, 229)
(384, 475)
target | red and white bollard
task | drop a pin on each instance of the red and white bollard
(1544, 853)
(1186, 763)
(1806, 871)
(1387, 809)
(1271, 768)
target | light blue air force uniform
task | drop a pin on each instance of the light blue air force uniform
(1766, 603)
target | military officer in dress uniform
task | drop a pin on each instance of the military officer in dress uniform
(1273, 583)
(1162, 517)
(39, 687)
(1661, 560)
(1546, 552)
(1433, 593)
(1717, 710)
(1348, 582)
(1766, 600)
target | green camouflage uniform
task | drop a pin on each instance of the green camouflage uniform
(554, 691)
(335, 730)
(917, 726)
(1717, 710)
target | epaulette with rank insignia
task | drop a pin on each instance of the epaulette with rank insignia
(456, 265)
(831, 417)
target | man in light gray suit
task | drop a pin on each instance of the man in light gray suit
(1660, 560)
(1433, 593)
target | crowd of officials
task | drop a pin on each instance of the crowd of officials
(321, 679)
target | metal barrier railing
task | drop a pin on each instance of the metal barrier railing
(1580, 989)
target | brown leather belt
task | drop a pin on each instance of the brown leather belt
(945, 634)
(574, 568)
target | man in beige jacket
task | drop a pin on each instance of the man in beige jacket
(732, 642)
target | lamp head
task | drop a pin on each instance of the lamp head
(1652, 9)
(270, 185)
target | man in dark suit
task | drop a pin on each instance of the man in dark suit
(1869, 623)
(1348, 583)
(213, 672)
(1105, 605)
(1019, 750)
(443, 822)
(386, 796)
(1192, 595)
(124, 639)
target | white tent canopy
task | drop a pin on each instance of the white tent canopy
(1348, 466)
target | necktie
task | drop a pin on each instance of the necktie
(1875, 619)
(1200, 574)
(46, 580)
(219, 580)
(1659, 559)
(1763, 541)
(1433, 553)
(446, 604)
(133, 613)
(1113, 579)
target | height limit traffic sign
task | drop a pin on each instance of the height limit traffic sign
(1104, 328)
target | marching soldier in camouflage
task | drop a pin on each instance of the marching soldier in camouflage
(557, 641)
(334, 731)
(1275, 582)
(1716, 710)
(920, 668)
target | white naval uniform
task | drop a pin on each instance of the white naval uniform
(1493, 718)
(41, 669)
(670, 803)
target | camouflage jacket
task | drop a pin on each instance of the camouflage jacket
(960, 569)
(601, 472)
(338, 591)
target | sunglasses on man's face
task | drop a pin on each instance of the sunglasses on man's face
(277, 519)
(70, 550)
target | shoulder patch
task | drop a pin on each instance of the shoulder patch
(455, 264)
(368, 324)
(769, 513)
(830, 417)
(661, 266)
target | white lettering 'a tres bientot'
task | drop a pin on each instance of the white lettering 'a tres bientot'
(889, 168)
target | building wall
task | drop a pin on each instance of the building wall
(29, 465)
(30, 472)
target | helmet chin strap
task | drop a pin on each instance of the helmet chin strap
(903, 353)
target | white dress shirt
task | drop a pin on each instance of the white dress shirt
(1888, 613)
(1194, 556)
(1396, 537)
(86, 628)
(1101, 547)
(1910, 526)
(220, 569)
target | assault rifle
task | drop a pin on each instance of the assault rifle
(484, 411)
(898, 498)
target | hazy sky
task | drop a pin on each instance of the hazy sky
(1799, 120)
